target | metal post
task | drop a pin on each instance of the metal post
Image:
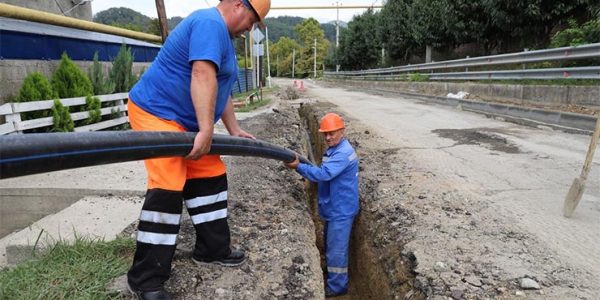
(315, 59)
(246, 60)
(337, 37)
(428, 53)
(293, 62)
(268, 59)
(162, 19)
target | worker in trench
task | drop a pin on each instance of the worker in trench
(337, 181)
(188, 88)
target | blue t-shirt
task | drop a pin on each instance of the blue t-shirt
(164, 89)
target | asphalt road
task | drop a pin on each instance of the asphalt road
(523, 172)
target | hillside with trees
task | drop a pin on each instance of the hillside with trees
(130, 19)
(403, 29)
(284, 27)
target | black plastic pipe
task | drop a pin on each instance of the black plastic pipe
(25, 154)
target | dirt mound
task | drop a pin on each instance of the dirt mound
(269, 219)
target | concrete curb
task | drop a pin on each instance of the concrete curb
(94, 217)
(565, 121)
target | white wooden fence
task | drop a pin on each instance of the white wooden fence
(14, 124)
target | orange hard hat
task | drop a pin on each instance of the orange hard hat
(331, 122)
(261, 8)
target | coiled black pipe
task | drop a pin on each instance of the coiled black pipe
(25, 154)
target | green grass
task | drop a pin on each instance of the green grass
(77, 271)
(254, 105)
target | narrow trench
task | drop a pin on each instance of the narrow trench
(368, 279)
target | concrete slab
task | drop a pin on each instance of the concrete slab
(92, 217)
(121, 176)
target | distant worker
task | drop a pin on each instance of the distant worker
(337, 179)
(188, 88)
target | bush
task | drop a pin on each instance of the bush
(35, 87)
(100, 84)
(418, 77)
(121, 72)
(92, 105)
(69, 81)
(577, 35)
(61, 119)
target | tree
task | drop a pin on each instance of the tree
(358, 49)
(308, 31)
(61, 119)
(393, 29)
(121, 73)
(281, 56)
(35, 87)
(101, 84)
(92, 106)
(430, 23)
(69, 81)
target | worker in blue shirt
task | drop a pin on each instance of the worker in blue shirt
(337, 179)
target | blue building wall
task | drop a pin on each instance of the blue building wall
(24, 44)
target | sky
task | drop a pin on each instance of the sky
(183, 7)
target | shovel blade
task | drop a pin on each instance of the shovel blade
(573, 197)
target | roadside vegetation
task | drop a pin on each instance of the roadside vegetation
(256, 102)
(69, 81)
(78, 271)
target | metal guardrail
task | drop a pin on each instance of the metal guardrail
(550, 73)
(556, 54)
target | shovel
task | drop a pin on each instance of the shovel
(576, 191)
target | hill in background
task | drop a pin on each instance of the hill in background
(128, 18)
(131, 19)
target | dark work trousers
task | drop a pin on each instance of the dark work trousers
(206, 201)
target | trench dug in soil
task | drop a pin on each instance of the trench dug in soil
(273, 217)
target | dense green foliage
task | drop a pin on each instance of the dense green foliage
(586, 33)
(282, 56)
(69, 81)
(92, 105)
(101, 84)
(284, 26)
(35, 87)
(61, 119)
(78, 271)
(357, 46)
(456, 28)
(282, 52)
(121, 72)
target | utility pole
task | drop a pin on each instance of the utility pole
(162, 19)
(315, 59)
(268, 59)
(293, 62)
(246, 38)
(337, 37)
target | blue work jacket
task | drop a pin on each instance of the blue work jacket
(337, 179)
